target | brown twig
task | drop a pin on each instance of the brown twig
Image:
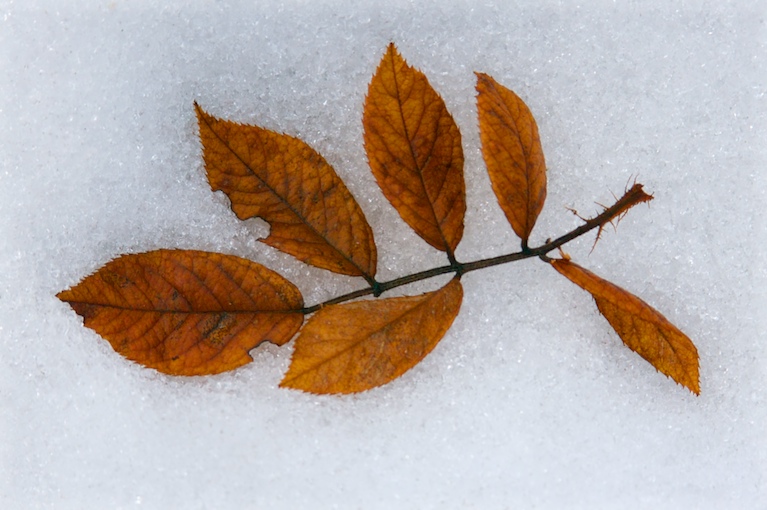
(633, 196)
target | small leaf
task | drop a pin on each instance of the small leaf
(187, 312)
(513, 154)
(357, 346)
(642, 328)
(281, 179)
(414, 150)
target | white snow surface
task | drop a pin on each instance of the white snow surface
(530, 400)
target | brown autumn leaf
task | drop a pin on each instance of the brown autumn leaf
(513, 154)
(281, 179)
(357, 346)
(414, 150)
(187, 312)
(642, 328)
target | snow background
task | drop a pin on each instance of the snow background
(530, 401)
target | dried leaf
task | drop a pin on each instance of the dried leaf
(357, 346)
(513, 154)
(281, 179)
(414, 149)
(187, 312)
(642, 328)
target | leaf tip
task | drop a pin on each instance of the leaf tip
(686, 375)
(481, 78)
(289, 384)
(688, 380)
(695, 389)
(201, 114)
(68, 296)
(692, 380)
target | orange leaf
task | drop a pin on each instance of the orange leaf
(187, 312)
(414, 149)
(513, 154)
(279, 178)
(357, 346)
(642, 328)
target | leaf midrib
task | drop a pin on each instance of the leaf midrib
(419, 170)
(181, 312)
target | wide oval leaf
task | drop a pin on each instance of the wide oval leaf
(187, 312)
(357, 346)
(513, 154)
(642, 328)
(414, 149)
(273, 176)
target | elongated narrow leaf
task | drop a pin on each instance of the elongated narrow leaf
(354, 347)
(513, 154)
(187, 312)
(642, 328)
(279, 178)
(414, 149)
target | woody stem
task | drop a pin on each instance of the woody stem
(632, 197)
